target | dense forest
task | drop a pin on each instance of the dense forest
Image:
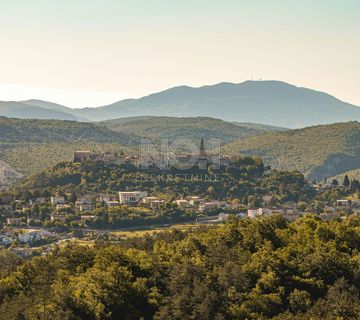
(243, 178)
(245, 269)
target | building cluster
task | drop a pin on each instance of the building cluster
(202, 162)
(24, 236)
(84, 206)
(288, 210)
(23, 228)
(110, 158)
(133, 198)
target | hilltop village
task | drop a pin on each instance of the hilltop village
(244, 188)
(201, 158)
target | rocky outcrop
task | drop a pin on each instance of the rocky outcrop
(334, 165)
(8, 175)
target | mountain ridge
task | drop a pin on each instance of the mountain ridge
(191, 128)
(269, 102)
(21, 110)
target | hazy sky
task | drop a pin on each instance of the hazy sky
(93, 52)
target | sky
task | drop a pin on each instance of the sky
(86, 53)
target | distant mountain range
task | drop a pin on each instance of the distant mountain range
(22, 110)
(270, 102)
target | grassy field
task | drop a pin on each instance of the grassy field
(80, 242)
(154, 231)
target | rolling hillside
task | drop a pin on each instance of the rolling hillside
(18, 130)
(190, 128)
(28, 146)
(319, 151)
(30, 158)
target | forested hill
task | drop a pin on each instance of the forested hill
(245, 177)
(190, 128)
(126, 130)
(318, 152)
(246, 269)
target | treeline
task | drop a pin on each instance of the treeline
(245, 269)
(246, 179)
(22, 130)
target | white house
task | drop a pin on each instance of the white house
(131, 197)
(343, 203)
(107, 197)
(86, 207)
(212, 205)
(222, 216)
(253, 213)
(57, 217)
(111, 204)
(86, 199)
(85, 203)
(62, 207)
(86, 218)
(149, 200)
(182, 203)
(34, 235)
(13, 221)
(196, 201)
(57, 200)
